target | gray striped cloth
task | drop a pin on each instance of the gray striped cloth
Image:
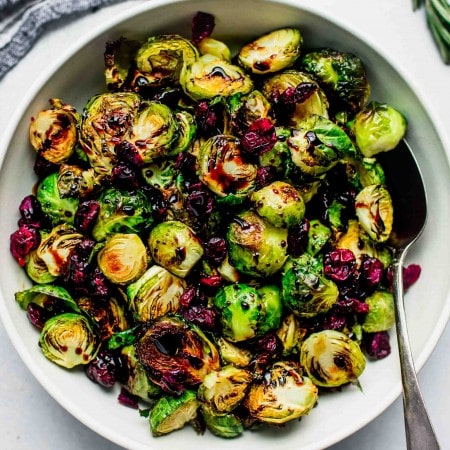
(23, 21)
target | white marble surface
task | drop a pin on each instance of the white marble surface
(31, 419)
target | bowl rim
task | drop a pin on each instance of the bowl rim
(128, 13)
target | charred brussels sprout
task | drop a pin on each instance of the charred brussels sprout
(331, 358)
(280, 203)
(317, 145)
(341, 74)
(37, 270)
(171, 413)
(123, 258)
(161, 59)
(375, 213)
(305, 290)
(246, 312)
(224, 425)
(282, 395)
(69, 340)
(210, 76)
(378, 128)
(121, 212)
(56, 208)
(291, 334)
(175, 246)
(271, 52)
(187, 129)
(156, 293)
(223, 169)
(381, 315)
(73, 181)
(223, 390)
(232, 354)
(176, 355)
(54, 132)
(255, 246)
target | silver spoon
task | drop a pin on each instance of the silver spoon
(405, 184)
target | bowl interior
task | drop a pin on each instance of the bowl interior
(79, 75)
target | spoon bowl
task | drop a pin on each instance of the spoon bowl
(407, 189)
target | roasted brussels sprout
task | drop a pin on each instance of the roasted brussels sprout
(378, 127)
(255, 246)
(271, 52)
(161, 58)
(246, 312)
(375, 212)
(342, 76)
(57, 246)
(282, 395)
(225, 425)
(160, 174)
(171, 413)
(209, 45)
(69, 340)
(331, 358)
(73, 181)
(291, 335)
(318, 235)
(304, 288)
(381, 315)
(56, 208)
(176, 355)
(123, 258)
(223, 390)
(317, 145)
(54, 132)
(232, 354)
(210, 76)
(121, 212)
(175, 246)
(187, 129)
(279, 203)
(223, 169)
(156, 293)
(37, 270)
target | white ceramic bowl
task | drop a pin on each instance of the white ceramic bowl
(78, 75)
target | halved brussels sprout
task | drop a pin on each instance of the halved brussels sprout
(224, 389)
(282, 395)
(73, 181)
(171, 413)
(160, 174)
(187, 128)
(378, 127)
(318, 235)
(121, 212)
(224, 425)
(232, 354)
(375, 212)
(156, 293)
(317, 145)
(69, 340)
(123, 258)
(341, 74)
(255, 246)
(304, 288)
(271, 52)
(136, 380)
(210, 76)
(331, 358)
(36, 268)
(246, 312)
(56, 208)
(291, 334)
(222, 168)
(161, 59)
(280, 203)
(176, 355)
(175, 246)
(279, 154)
(54, 132)
(57, 246)
(312, 101)
(209, 45)
(381, 315)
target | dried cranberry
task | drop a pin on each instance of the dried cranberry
(23, 241)
(185, 163)
(124, 176)
(208, 119)
(128, 153)
(43, 167)
(215, 250)
(125, 398)
(202, 26)
(372, 270)
(99, 284)
(212, 281)
(299, 94)
(31, 212)
(103, 369)
(203, 316)
(265, 175)
(200, 203)
(38, 315)
(298, 238)
(376, 345)
(411, 274)
(334, 321)
(188, 296)
(339, 264)
(260, 137)
(351, 305)
(266, 349)
(86, 215)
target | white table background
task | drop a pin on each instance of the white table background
(31, 419)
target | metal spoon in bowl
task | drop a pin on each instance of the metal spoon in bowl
(405, 184)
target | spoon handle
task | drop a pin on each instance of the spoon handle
(420, 434)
